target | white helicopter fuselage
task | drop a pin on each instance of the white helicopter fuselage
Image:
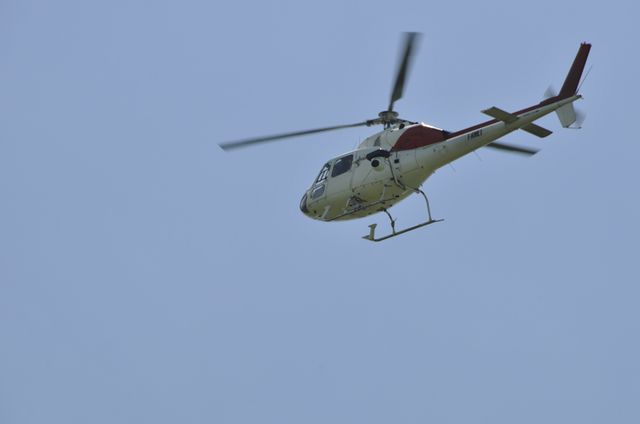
(392, 164)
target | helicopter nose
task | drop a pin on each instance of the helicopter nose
(303, 205)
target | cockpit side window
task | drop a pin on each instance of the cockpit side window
(342, 165)
(323, 173)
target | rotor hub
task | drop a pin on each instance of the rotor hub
(388, 116)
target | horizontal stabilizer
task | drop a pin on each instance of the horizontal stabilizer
(537, 130)
(510, 118)
(500, 114)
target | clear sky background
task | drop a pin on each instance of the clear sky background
(148, 277)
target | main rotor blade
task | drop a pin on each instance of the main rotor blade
(405, 62)
(230, 145)
(513, 149)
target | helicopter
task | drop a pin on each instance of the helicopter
(392, 164)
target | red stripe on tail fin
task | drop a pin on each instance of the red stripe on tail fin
(570, 85)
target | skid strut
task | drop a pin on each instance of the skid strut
(372, 228)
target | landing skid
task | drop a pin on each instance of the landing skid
(372, 228)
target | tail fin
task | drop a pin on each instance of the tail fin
(567, 114)
(570, 86)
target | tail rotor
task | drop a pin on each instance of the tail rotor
(550, 92)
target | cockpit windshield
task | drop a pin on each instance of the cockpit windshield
(342, 165)
(323, 173)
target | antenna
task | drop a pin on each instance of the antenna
(585, 78)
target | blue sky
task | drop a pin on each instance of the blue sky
(147, 276)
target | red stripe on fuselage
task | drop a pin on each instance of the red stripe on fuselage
(419, 136)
